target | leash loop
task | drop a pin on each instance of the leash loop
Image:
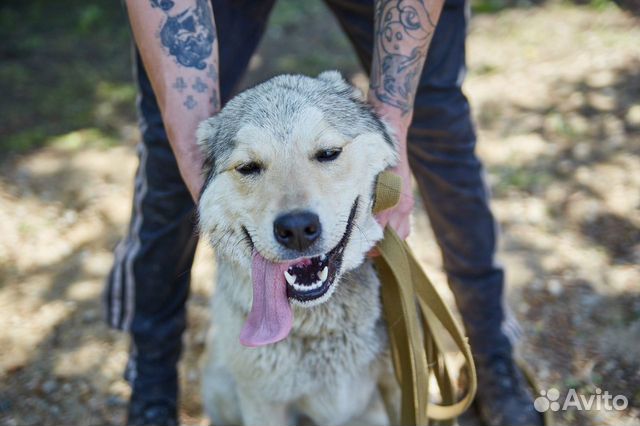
(417, 320)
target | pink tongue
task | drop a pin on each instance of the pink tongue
(270, 319)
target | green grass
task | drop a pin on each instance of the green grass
(303, 37)
(64, 66)
(495, 6)
(521, 179)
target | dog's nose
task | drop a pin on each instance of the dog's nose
(297, 230)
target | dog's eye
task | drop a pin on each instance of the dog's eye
(328, 154)
(250, 168)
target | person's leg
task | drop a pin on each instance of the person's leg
(240, 24)
(148, 285)
(450, 178)
(441, 146)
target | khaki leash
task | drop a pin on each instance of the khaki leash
(417, 320)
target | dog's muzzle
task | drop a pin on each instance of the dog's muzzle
(311, 278)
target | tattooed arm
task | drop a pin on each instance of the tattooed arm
(403, 31)
(178, 44)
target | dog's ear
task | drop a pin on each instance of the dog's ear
(206, 137)
(341, 85)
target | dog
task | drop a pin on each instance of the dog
(297, 328)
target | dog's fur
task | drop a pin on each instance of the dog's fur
(330, 365)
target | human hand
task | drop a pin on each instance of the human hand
(398, 217)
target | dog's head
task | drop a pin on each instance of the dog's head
(291, 169)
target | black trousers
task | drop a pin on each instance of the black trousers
(148, 286)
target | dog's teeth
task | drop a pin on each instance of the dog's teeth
(324, 274)
(315, 285)
(291, 279)
(323, 257)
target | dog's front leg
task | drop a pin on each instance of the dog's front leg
(257, 411)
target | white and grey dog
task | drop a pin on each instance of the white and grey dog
(296, 326)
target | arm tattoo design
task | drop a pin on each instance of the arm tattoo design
(162, 4)
(189, 35)
(190, 103)
(179, 85)
(199, 86)
(402, 33)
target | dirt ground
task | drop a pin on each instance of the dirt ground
(556, 96)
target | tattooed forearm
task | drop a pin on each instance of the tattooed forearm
(403, 30)
(189, 38)
(177, 42)
(188, 35)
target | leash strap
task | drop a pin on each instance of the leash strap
(417, 320)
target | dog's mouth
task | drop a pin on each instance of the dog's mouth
(307, 281)
(310, 279)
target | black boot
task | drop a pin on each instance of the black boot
(503, 397)
(152, 413)
(154, 391)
